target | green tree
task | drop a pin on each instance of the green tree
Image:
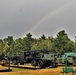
(62, 43)
(16, 46)
(27, 42)
(9, 40)
(43, 44)
(29, 35)
(43, 37)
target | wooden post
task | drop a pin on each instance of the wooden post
(9, 64)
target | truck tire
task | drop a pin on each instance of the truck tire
(14, 62)
(51, 63)
(40, 63)
(21, 63)
(33, 63)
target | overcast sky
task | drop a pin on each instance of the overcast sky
(18, 17)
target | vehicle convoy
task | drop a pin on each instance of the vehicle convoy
(36, 58)
(43, 58)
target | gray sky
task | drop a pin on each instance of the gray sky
(18, 17)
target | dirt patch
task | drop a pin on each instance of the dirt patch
(46, 71)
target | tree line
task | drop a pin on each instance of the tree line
(59, 44)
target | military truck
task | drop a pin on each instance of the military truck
(68, 58)
(36, 58)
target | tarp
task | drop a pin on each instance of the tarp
(68, 54)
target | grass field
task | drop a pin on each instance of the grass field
(46, 71)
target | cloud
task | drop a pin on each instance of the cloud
(18, 17)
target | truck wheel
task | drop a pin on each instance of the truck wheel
(40, 63)
(33, 63)
(15, 62)
(21, 63)
(51, 63)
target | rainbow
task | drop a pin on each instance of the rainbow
(51, 14)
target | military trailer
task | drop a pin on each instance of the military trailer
(36, 58)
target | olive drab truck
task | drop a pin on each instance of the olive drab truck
(36, 58)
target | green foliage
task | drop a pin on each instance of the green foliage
(9, 40)
(29, 35)
(42, 44)
(43, 37)
(59, 44)
(62, 43)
